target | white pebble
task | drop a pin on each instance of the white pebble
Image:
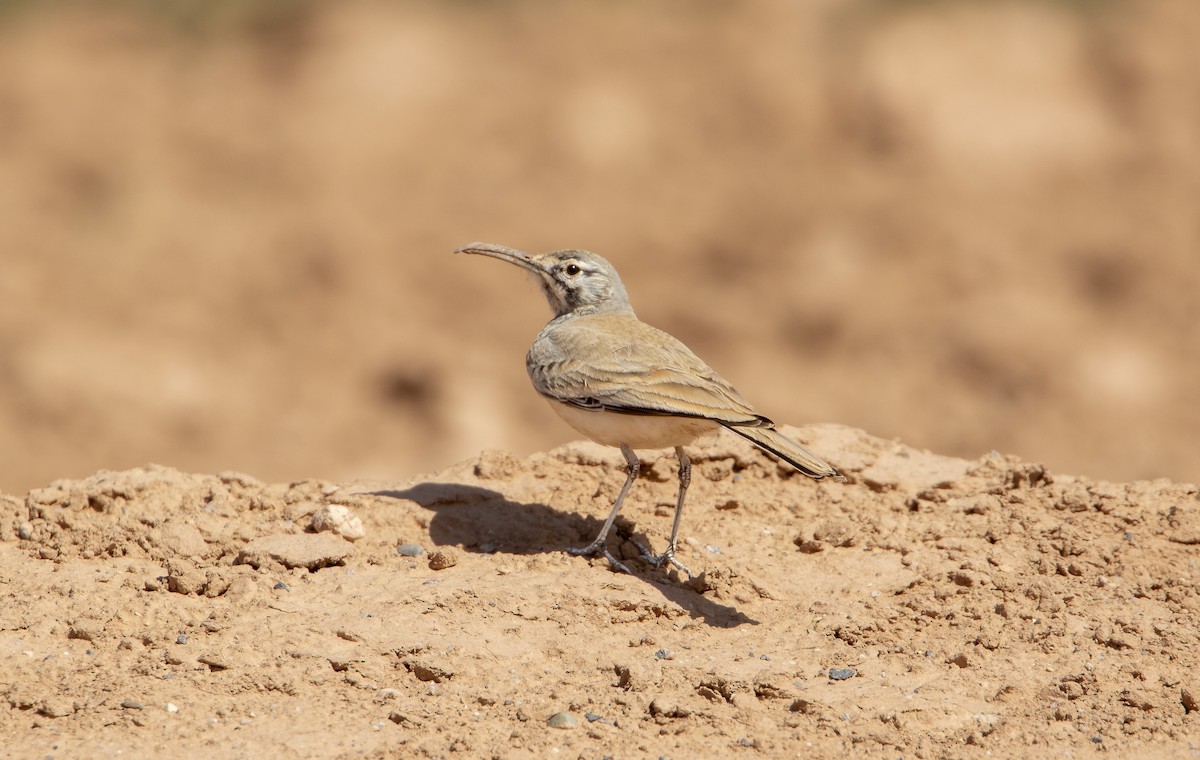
(339, 520)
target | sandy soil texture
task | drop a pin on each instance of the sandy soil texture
(930, 607)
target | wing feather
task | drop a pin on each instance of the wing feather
(617, 363)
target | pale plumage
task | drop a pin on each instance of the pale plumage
(626, 364)
(623, 383)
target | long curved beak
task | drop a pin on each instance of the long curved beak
(504, 253)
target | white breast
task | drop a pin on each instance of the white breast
(637, 431)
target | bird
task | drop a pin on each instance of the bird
(624, 383)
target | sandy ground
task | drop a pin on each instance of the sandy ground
(929, 607)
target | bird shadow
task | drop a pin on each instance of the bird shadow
(485, 521)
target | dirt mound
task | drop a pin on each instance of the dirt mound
(930, 606)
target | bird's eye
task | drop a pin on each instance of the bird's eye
(572, 269)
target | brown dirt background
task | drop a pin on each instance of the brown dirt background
(225, 232)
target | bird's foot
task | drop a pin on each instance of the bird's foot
(598, 547)
(659, 560)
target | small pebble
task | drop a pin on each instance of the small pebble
(57, 707)
(337, 519)
(130, 704)
(281, 586)
(410, 550)
(25, 531)
(563, 720)
(841, 674)
(182, 639)
(171, 708)
(667, 708)
(664, 654)
(442, 559)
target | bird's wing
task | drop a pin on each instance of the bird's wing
(616, 363)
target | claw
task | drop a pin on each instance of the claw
(598, 548)
(658, 560)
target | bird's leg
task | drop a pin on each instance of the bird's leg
(685, 479)
(598, 546)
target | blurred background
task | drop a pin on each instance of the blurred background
(226, 225)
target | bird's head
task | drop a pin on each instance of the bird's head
(573, 281)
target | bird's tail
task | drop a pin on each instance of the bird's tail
(771, 440)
